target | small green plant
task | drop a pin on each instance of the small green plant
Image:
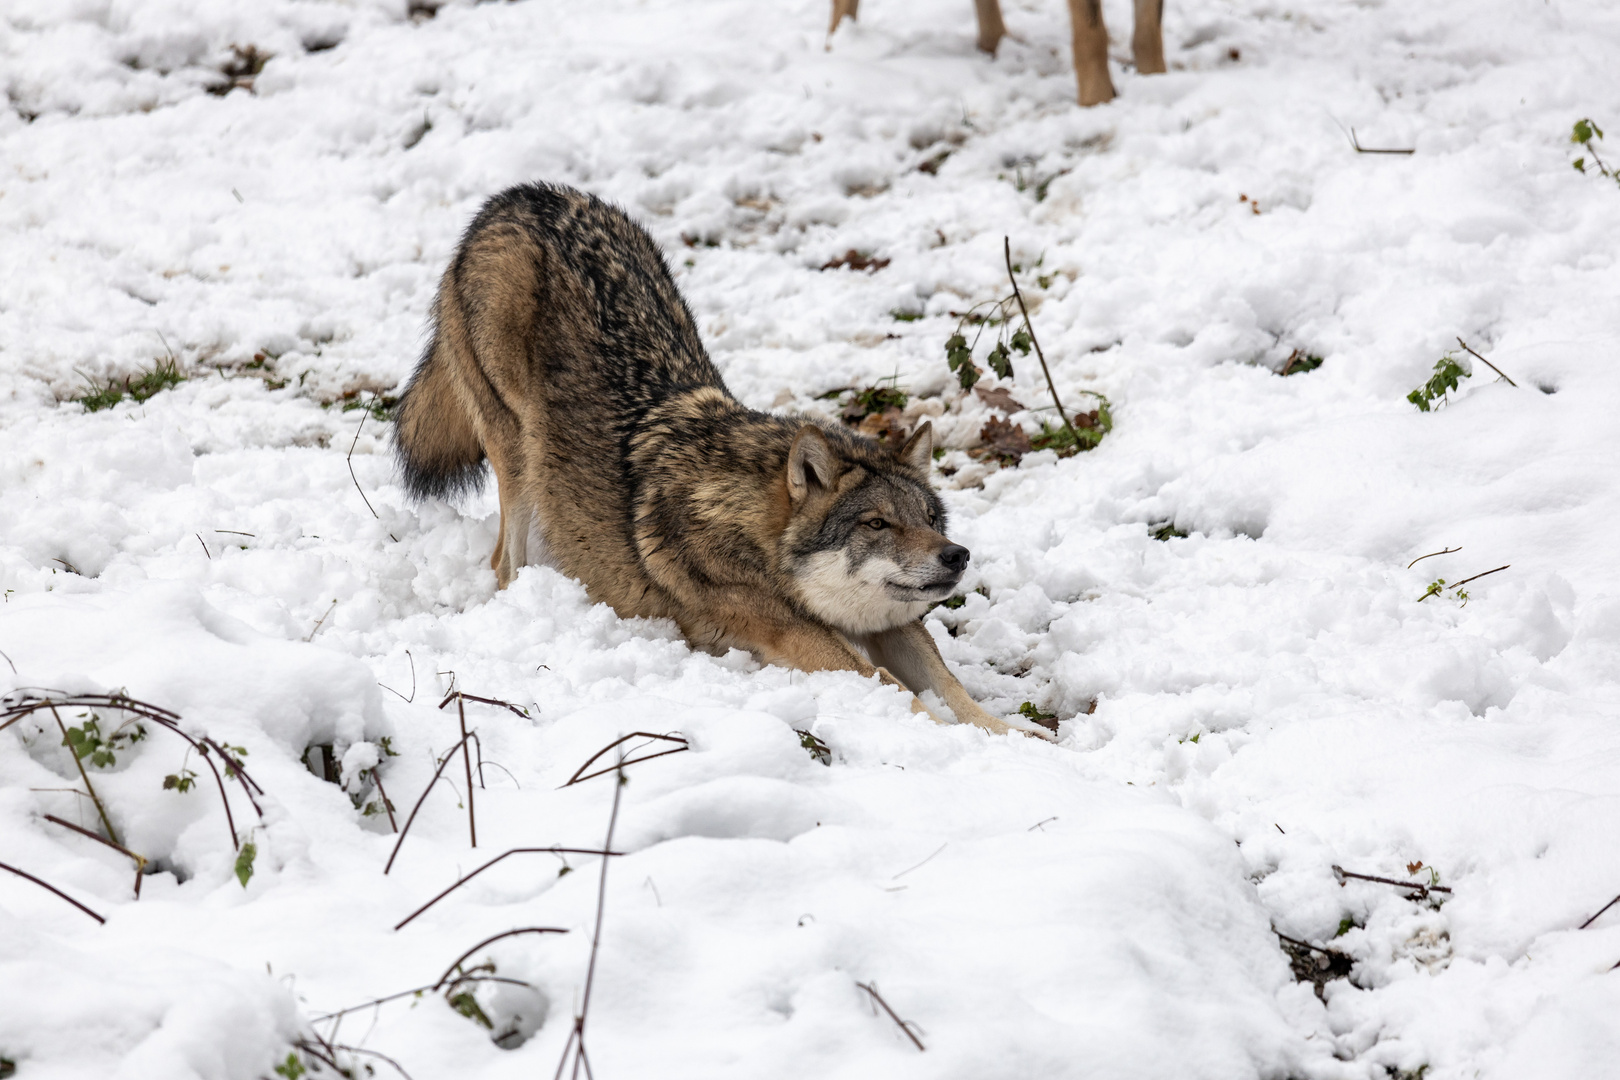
(1166, 532)
(954, 602)
(899, 315)
(292, 1068)
(1585, 131)
(815, 747)
(464, 1003)
(386, 745)
(1298, 362)
(181, 781)
(1346, 924)
(244, 862)
(87, 741)
(1434, 589)
(1084, 432)
(1447, 373)
(873, 399)
(1030, 711)
(163, 375)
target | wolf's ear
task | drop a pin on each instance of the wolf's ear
(811, 463)
(919, 449)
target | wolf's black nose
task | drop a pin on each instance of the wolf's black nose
(954, 556)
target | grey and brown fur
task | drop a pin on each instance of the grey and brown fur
(563, 353)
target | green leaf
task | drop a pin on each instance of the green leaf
(1580, 164)
(1345, 926)
(292, 1068)
(1583, 132)
(467, 1005)
(244, 863)
(1021, 341)
(816, 748)
(1000, 362)
(1029, 710)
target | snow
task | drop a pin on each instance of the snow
(1271, 698)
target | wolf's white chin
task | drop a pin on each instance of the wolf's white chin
(855, 601)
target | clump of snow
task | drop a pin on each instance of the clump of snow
(266, 195)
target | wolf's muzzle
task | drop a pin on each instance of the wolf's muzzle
(954, 557)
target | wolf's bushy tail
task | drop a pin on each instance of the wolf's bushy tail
(437, 446)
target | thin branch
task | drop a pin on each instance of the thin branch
(1423, 890)
(376, 778)
(204, 546)
(628, 761)
(1432, 554)
(311, 635)
(466, 757)
(1600, 911)
(385, 999)
(1476, 577)
(396, 1066)
(1486, 362)
(577, 777)
(515, 851)
(140, 860)
(8, 660)
(74, 754)
(509, 933)
(930, 859)
(1371, 150)
(456, 695)
(1006, 251)
(904, 1025)
(406, 830)
(364, 412)
(396, 693)
(52, 888)
(576, 1037)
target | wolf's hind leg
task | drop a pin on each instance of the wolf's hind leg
(910, 653)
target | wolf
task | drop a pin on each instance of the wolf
(562, 352)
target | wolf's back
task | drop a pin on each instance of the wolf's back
(556, 314)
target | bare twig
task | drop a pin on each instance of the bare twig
(559, 851)
(578, 774)
(509, 933)
(376, 1054)
(1476, 577)
(1432, 554)
(140, 860)
(1486, 362)
(376, 778)
(235, 532)
(456, 695)
(385, 999)
(204, 546)
(576, 1038)
(1006, 251)
(930, 859)
(406, 830)
(1371, 150)
(396, 693)
(905, 1025)
(1600, 911)
(466, 757)
(1423, 890)
(8, 660)
(88, 786)
(311, 635)
(364, 412)
(52, 888)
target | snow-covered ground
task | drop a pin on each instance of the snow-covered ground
(1272, 699)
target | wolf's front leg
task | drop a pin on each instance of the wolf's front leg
(910, 653)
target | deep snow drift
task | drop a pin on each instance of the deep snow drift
(1272, 698)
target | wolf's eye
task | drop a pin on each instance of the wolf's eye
(877, 524)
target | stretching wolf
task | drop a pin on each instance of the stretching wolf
(563, 353)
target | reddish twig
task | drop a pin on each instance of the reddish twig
(140, 860)
(376, 778)
(515, 851)
(466, 757)
(509, 933)
(1431, 555)
(1600, 911)
(576, 1037)
(1486, 362)
(396, 693)
(905, 1025)
(455, 695)
(1423, 890)
(576, 778)
(406, 830)
(88, 786)
(1006, 251)
(52, 888)
(1476, 577)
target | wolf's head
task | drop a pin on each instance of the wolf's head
(866, 542)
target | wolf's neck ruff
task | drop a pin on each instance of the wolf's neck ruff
(563, 354)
